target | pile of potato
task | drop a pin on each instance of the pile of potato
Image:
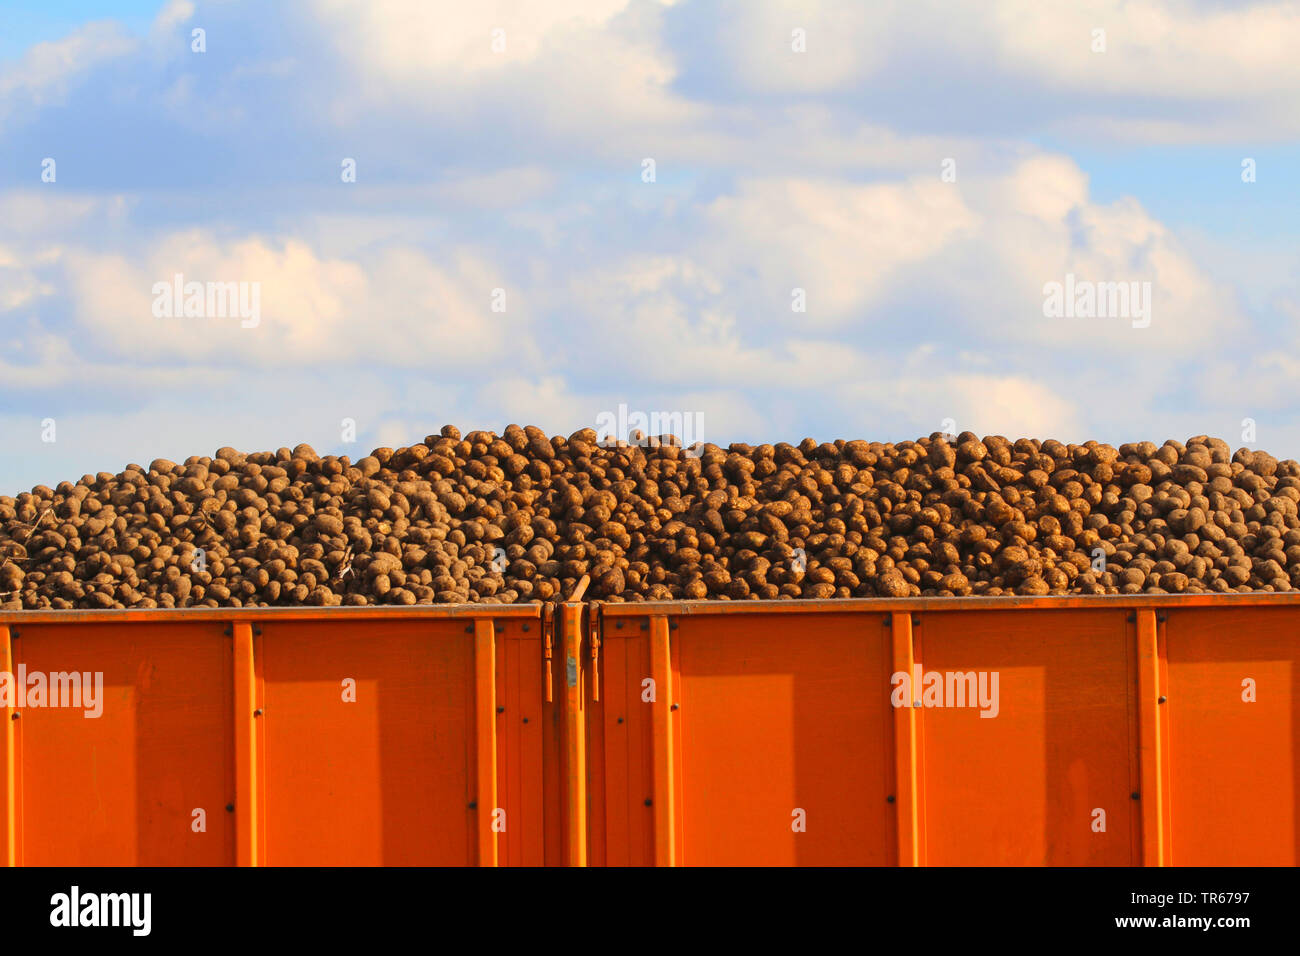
(522, 517)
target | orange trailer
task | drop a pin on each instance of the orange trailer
(1143, 730)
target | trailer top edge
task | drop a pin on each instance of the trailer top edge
(670, 608)
(1001, 603)
(238, 614)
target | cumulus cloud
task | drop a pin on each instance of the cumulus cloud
(296, 307)
(1158, 71)
(47, 71)
(516, 168)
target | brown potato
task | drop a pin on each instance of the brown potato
(522, 516)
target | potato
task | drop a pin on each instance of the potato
(521, 517)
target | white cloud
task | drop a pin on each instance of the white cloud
(836, 241)
(48, 70)
(397, 306)
(842, 42)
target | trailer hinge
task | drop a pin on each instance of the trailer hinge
(593, 641)
(548, 650)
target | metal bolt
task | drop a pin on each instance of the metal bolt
(1161, 699)
(1135, 796)
(525, 627)
(469, 628)
(230, 808)
(889, 799)
(501, 710)
(258, 712)
(620, 720)
(645, 625)
(674, 707)
(649, 802)
(525, 720)
(473, 804)
(618, 625)
(15, 715)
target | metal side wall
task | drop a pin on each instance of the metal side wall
(1140, 731)
(281, 738)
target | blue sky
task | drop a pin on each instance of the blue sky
(501, 146)
(26, 24)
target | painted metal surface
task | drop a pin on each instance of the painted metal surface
(1147, 731)
(1144, 730)
(282, 738)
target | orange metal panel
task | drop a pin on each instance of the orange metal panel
(248, 793)
(485, 758)
(9, 831)
(1151, 742)
(147, 782)
(906, 782)
(1030, 785)
(661, 737)
(771, 738)
(782, 739)
(1234, 798)
(520, 770)
(387, 777)
(573, 745)
(597, 796)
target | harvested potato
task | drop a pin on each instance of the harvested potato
(521, 517)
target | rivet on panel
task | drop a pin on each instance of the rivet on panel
(620, 720)
(230, 808)
(525, 627)
(618, 625)
(258, 712)
(889, 799)
(473, 804)
(15, 715)
(1135, 796)
(649, 802)
(1161, 699)
(675, 706)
